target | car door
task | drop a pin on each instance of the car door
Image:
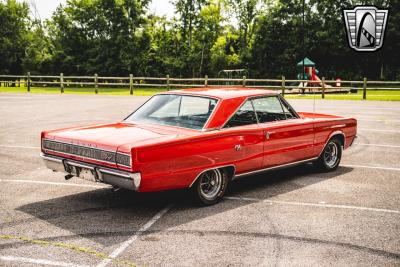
(288, 138)
(247, 138)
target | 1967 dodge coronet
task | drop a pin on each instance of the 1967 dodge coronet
(199, 139)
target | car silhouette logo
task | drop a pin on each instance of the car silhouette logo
(365, 27)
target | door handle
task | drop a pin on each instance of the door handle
(268, 134)
(238, 147)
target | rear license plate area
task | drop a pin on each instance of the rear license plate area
(81, 172)
(86, 174)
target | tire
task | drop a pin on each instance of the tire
(331, 155)
(210, 187)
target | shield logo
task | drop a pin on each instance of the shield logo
(365, 27)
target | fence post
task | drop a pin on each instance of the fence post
(168, 84)
(96, 84)
(62, 82)
(323, 87)
(365, 89)
(131, 84)
(29, 81)
(244, 81)
(205, 80)
(283, 85)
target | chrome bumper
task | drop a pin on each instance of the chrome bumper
(122, 179)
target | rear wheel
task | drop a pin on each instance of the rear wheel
(331, 155)
(211, 186)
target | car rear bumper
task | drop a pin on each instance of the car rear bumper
(117, 178)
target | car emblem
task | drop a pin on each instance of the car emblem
(365, 27)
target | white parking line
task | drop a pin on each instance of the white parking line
(378, 145)
(133, 238)
(322, 205)
(52, 183)
(377, 120)
(377, 130)
(370, 167)
(39, 261)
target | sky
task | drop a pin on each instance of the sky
(45, 8)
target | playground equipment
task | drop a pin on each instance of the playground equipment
(310, 74)
(232, 74)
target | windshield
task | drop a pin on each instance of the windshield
(176, 110)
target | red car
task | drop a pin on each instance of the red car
(199, 139)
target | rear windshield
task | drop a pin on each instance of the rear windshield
(177, 110)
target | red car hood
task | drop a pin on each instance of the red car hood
(117, 136)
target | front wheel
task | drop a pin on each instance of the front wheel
(331, 155)
(211, 186)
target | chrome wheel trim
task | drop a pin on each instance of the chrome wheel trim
(210, 184)
(331, 154)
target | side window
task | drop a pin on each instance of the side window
(290, 114)
(244, 116)
(269, 109)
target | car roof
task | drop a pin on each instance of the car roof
(224, 92)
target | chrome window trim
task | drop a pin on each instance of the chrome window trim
(99, 160)
(233, 114)
(282, 99)
(204, 128)
(251, 98)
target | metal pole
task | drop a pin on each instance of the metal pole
(283, 85)
(205, 80)
(323, 87)
(244, 81)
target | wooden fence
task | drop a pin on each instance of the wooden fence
(286, 86)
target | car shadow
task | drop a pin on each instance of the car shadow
(108, 218)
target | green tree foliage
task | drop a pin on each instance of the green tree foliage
(118, 37)
(103, 36)
(14, 21)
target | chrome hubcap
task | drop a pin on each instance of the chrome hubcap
(210, 184)
(331, 154)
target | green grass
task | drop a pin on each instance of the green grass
(380, 95)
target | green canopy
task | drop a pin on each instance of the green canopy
(307, 62)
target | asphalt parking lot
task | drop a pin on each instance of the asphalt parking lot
(296, 216)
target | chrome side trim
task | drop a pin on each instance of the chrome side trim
(274, 167)
(218, 167)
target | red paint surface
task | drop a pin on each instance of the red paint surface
(170, 157)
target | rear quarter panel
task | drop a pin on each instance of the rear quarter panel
(327, 127)
(175, 165)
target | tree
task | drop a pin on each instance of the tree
(14, 21)
(104, 36)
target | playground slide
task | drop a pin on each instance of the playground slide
(318, 80)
